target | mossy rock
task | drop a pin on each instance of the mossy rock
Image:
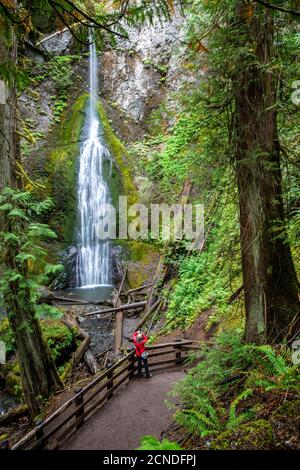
(255, 435)
(121, 181)
(60, 338)
(62, 169)
(143, 259)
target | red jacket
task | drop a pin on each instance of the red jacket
(139, 345)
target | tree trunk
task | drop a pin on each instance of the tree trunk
(38, 371)
(9, 143)
(270, 282)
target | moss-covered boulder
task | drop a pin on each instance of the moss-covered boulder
(60, 338)
(255, 435)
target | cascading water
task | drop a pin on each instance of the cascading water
(93, 265)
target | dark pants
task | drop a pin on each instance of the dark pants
(140, 363)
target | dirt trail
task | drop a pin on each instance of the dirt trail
(136, 410)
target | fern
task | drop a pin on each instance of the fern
(203, 389)
(23, 242)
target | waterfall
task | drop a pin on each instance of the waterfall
(93, 262)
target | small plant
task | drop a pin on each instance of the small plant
(152, 443)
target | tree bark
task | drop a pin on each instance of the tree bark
(9, 143)
(38, 371)
(270, 282)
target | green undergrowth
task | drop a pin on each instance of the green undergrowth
(60, 338)
(209, 279)
(235, 392)
(152, 443)
(62, 342)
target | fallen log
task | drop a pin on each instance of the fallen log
(148, 314)
(136, 289)
(119, 320)
(78, 354)
(102, 353)
(119, 331)
(235, 295)
(69, 300)
(154, 318)
(90, 361)
(106, 359)
(116, 300)
(117, 309)
(14, 414)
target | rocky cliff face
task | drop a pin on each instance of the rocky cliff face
(135, 78)
(143, 71)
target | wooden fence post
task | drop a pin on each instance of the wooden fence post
(178, 357)
(131, 366)
(79, 405)
(109, 384)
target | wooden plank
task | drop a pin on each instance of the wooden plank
(160, 363)
(160, 353)
(41, 432)
(166, 345)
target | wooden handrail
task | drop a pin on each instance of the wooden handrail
(75, 411)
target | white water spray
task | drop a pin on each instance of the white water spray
(93, 267)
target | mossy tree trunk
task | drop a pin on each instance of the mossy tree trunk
(270, 282)
(38, 371)
(9, 143)
(37, 368)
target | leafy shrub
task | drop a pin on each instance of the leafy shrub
(152, 443)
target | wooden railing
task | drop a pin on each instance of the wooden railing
(67, 419)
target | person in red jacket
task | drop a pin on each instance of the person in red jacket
(140, 340)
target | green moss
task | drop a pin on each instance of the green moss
(142, 262)
(13, 380)
(122, 175)
(255, 435)
(63, 163)
(7, 336)
(60, 339)
(62, 168)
